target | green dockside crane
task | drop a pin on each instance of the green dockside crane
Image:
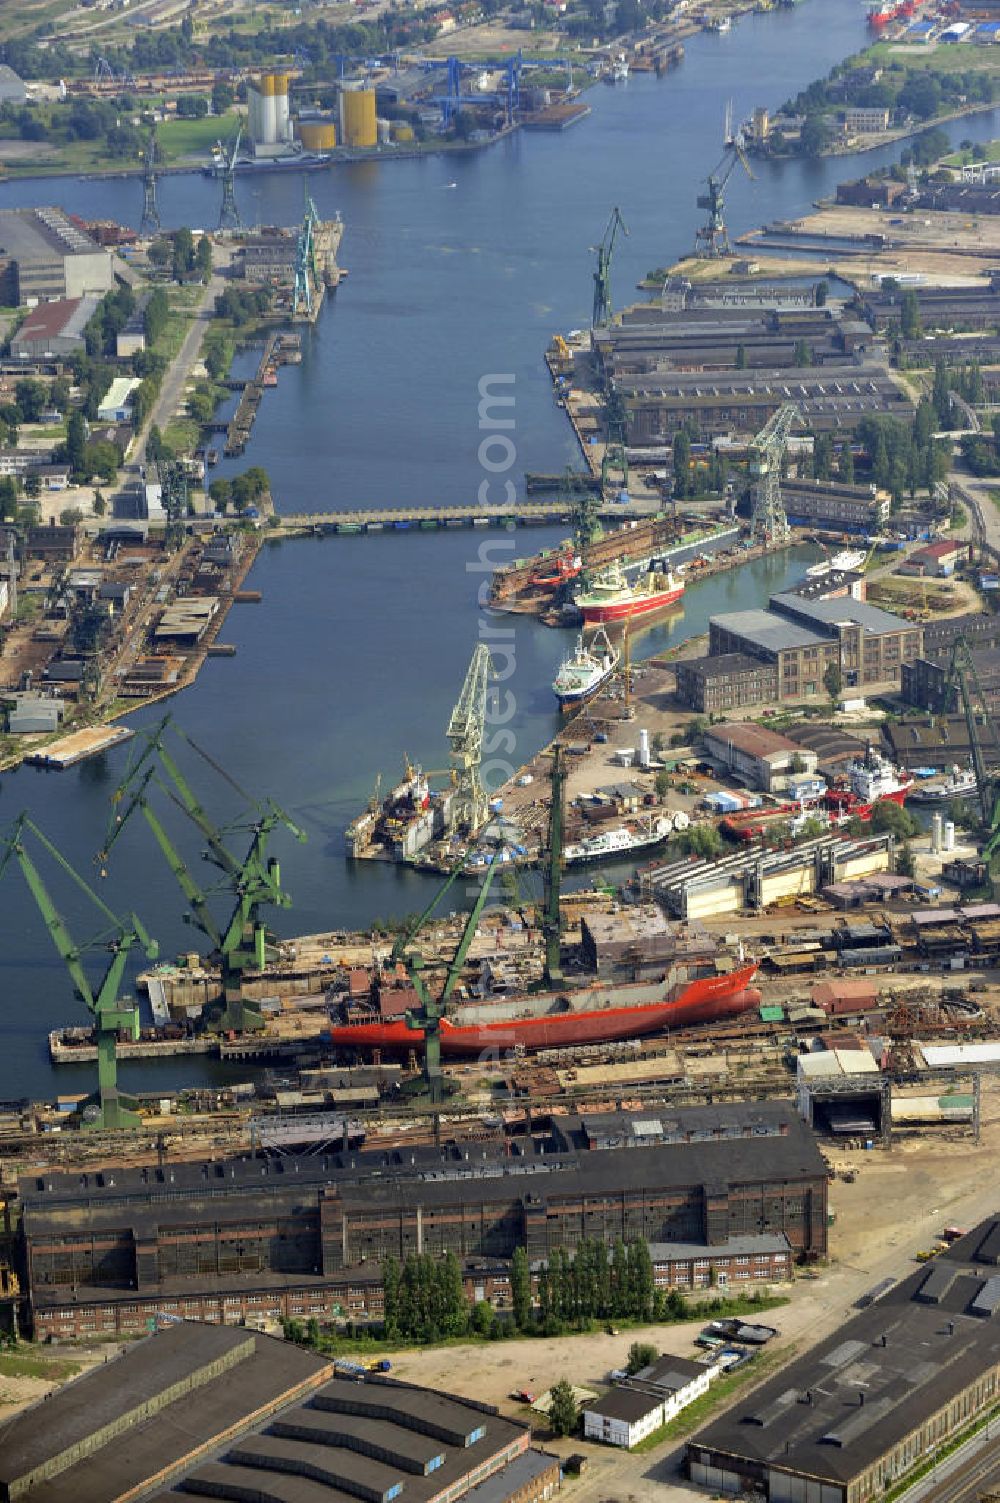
(239, 942)
(602, 276)
(432, 1009)
(963, 681)
(111, 1016)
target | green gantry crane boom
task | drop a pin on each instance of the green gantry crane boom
(240, 943)
(602, 275)
(432, 1009)
(465, 737)
(110, 1014)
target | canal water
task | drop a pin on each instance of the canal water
(461, 268)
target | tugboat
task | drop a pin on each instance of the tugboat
(567, 566)
(612, 598)
(621, 841)
(585, 671)
(960, 783)
(871, 780)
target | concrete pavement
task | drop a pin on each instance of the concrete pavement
(176, 375)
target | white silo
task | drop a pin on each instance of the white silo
(936, 834)
(282, 118)
(643, 748)
(949, 835)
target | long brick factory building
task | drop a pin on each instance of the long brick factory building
(739, 1188)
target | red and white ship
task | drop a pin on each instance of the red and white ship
(881, 16)
(611, 598)
(871, 780)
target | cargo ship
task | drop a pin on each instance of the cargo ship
(611, 598)
(585, 671)
(871, 780)
(556, 1023)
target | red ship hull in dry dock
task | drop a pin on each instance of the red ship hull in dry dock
(709, 999)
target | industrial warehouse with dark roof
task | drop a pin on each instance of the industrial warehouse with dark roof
(259, 1238)
(44, 255)
(846, 1422)
(233, 1414)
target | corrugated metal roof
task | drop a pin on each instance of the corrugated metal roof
(944, 1056)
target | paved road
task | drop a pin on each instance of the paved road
(175, 377)
(980, 497)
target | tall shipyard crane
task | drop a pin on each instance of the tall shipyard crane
(306, 271)
(602, 275)
(111, 1016)
(768, 523)
(240, 941)
(229, 214)
(712, 239)
(150, 220)
(984, 745)
(465, 735)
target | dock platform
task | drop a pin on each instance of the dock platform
(280, 349)
(79, 745)
(427, 518)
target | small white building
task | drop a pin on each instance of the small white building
(639, 1406)
(115, 407)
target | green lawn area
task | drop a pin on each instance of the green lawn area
(964, 158)
(957, 57)
(182, 435)
(23, 1365)
(21, 20)
(183, 300)
(179, 138)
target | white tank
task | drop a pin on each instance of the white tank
(936, 833)
(681, 820)
(270, 122)
(643, 748)
(284, 120)
(949, 835)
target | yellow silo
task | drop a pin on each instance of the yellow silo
(357, 117)
(318, 135)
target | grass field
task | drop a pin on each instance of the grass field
(958, 57)
(18, 1365)
(180, 138)
(963, 158)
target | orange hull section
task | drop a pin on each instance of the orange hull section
(706, 1000)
